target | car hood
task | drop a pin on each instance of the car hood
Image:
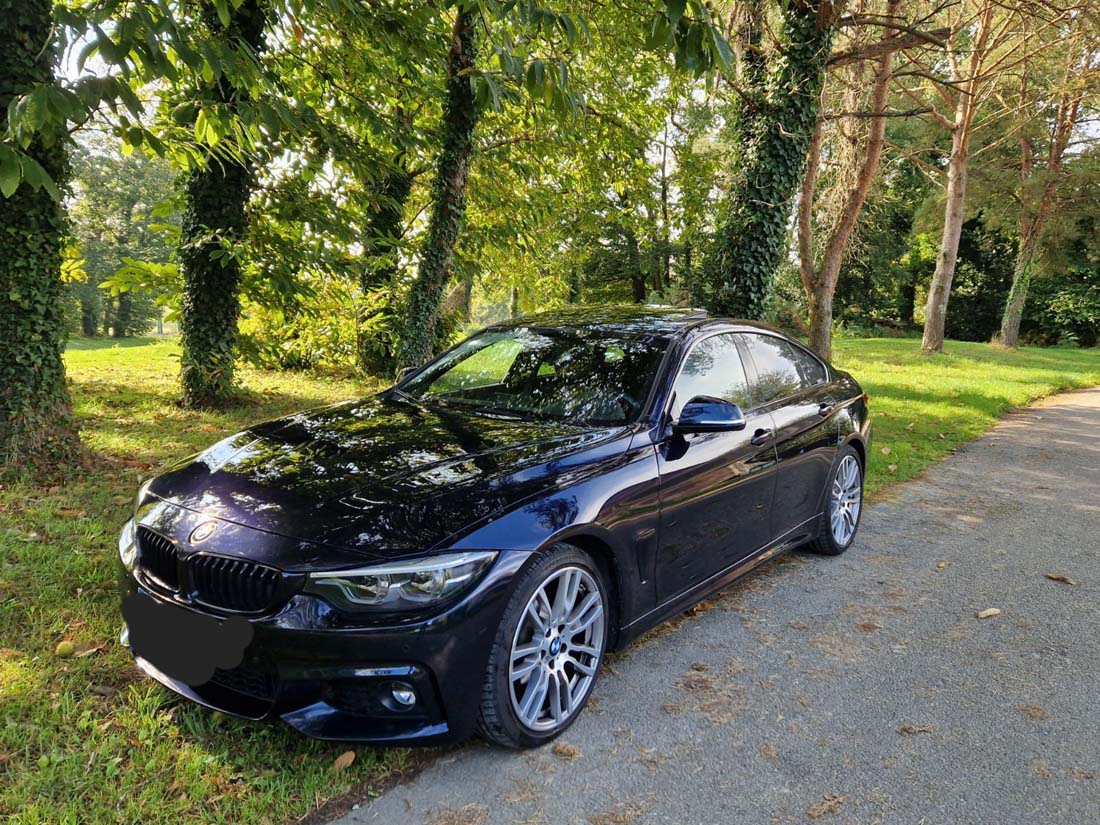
(381, 476)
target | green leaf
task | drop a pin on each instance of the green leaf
(721, 48)
(660, 33)
(536, 74)
(9, 174)
(222, 8)
(38, 177)
(675, 10)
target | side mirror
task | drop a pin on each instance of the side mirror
(703, 414)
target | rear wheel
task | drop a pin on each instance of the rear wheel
(548, 650)
(843, 508)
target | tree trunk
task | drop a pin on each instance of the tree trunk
(935, 310)
(907, 301)
(460, 115)
(124, 318)
(686, 273)
(215, 214)
(36, 423)
(513, 303)
(664, 275)
(821, 322)
(387, 225)
(89, 317)
(634, 265)
(1033, 218)
(820, 282)
(1017, 298)
(967, 85)
(775, 133)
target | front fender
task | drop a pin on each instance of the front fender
(616, 507)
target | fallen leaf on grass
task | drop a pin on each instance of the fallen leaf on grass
(103, 690)
(829, 804)
(91, 651)
(893, 468)
(886, 451)
(988, 612)
(1060, 577)
(344, 760)
(911, 729)
(563, 750)
(121, 499)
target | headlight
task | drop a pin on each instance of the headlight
(401, 585)
(127, 546)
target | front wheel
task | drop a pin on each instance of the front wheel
(547, 652)
(843, 507)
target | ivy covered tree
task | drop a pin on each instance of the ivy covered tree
(460, 116)
(215, 219)
(780, 97)
(36, 423)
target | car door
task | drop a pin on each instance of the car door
(793, 385)
(716, 488)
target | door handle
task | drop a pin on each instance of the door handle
(760, 438)
(824, 408)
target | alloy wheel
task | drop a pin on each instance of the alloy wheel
(845, 500)
(556, 649)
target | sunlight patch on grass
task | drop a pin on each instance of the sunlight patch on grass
(923, 408)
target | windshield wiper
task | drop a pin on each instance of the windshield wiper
(400, 393)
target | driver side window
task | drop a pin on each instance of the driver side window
(713, 368)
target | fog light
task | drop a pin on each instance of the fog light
(403, 695)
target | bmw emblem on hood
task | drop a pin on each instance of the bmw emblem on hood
(203, 532)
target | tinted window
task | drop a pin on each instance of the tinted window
(713, 368)
(782, 369)
(584, 376)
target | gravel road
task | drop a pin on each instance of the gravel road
(859, 689)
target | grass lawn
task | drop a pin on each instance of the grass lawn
(83, 739)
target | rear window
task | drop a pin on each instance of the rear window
(782, 369)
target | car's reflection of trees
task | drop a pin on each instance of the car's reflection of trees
(773, 385)
(555, 513)
(705, 362)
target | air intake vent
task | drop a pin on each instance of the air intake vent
(157, 556)
(233, 584)
(249, 680)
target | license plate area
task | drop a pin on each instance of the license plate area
(182, 644)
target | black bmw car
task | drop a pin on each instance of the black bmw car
(458, 553)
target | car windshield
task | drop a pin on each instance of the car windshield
(586, 376)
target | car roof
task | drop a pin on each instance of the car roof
(633, 319)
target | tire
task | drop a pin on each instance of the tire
(827, 542)
(567, 663)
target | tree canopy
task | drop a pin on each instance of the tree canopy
(321, 182)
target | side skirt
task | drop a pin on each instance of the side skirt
(678, 604)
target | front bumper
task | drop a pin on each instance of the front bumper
(336, 682)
